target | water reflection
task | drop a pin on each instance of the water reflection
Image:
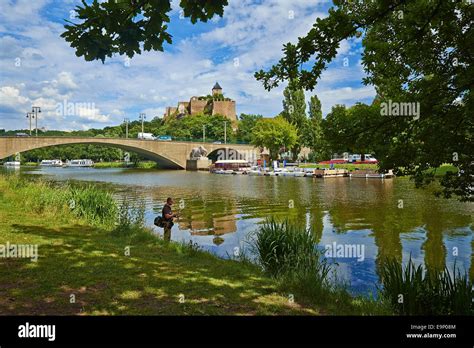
(221, 212)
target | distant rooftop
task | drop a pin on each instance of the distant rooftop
(217, 86)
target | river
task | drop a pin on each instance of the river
(378, 218)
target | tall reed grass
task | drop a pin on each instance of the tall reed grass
(414, 290)
(130, 218)
(94, 205)
(290, 254)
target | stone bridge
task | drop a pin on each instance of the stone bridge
(168, 154)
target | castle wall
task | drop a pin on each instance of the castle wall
(170, 110)
(183, 107)
(226, 108)
(197, 106)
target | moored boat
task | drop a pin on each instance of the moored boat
(230, 167)
(255, 170)
(299, 172)
(80, 163)
(371, 174)
(52, 163)
(14, 164)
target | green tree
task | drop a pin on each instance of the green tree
(294, 111)
(431, 48)
(127, 26)
(190, 127)
(245, 126)
(344, 129)
(274, 134)
(314, 137)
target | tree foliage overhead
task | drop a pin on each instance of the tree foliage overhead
(128, 26)
(414, 51)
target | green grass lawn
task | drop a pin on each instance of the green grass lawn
(90, 263)
(443, 169)
(141, 165)
(439, 171)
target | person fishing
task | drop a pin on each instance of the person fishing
(167, 216)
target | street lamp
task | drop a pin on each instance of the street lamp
(30, 115)
(36, 110)
(142, 117)
(225, 132)
(126, 120)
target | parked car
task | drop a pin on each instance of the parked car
(217, 142)
(22, 135)
(164, 138)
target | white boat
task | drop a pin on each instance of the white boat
(230, 167)
(224, 171)
(299, 172)
(12, 164)
(80, 163)
(255, 170)
(370, 174)
(51, 163)
(308, 172)
(282, 172)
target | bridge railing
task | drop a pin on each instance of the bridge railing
(180, 139)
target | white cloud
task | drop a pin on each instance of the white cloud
(91, 114)
(252, 32)
(65, 80)
(10, 97)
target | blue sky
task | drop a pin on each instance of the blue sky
(37, 67)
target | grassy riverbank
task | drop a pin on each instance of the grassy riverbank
(83, 256)
(90, 262)
(438, 172)
(139, 165)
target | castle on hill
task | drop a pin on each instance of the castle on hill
(213, 104)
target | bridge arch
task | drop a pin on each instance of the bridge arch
(172, 155)
(142, 147)
(230, 152)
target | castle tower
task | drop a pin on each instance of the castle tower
(216, 89)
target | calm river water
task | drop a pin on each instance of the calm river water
(380, 218)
